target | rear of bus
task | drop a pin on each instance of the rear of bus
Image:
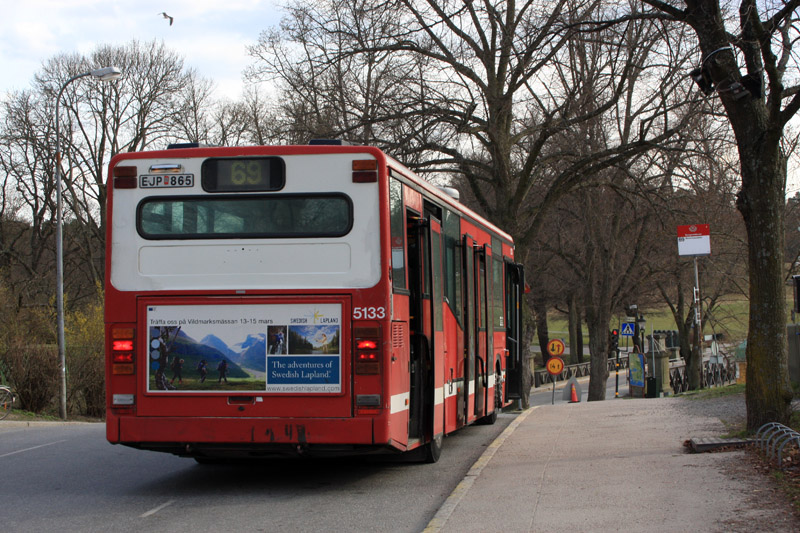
(246, 303)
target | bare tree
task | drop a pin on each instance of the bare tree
(260, 115)
(140, 110)
(759, 97)
(194, 121)
(251, 120)
(603, 250)
(98, 119)
(28, 197)
(483, 91)
(699, 187)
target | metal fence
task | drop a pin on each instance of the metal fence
(713, 374)
(542, 377)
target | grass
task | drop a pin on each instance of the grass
(736, 429)
(20, 415)
(714, 392)
(789, 483)
(730, 319)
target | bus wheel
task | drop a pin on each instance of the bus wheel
(489, 419)
(433, 450)
(209, 460)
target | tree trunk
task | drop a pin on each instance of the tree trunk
(598, 348)
(528, 364)
(575, 334)
(540, 314)
(761, 201)
(758, 120)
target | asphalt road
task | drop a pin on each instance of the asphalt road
(68, 478)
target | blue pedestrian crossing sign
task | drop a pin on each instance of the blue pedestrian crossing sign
(627, 329)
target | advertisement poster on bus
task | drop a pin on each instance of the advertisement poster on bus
(244, 348)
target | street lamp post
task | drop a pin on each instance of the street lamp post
(103, 74)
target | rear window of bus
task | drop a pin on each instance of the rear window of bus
(273, 216)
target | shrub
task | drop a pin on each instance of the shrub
(28, 355)
(85, 360)
(33, 372)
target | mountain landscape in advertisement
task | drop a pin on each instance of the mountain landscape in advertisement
(239, 344)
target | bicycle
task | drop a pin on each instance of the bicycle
(6, 401)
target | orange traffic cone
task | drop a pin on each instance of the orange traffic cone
(574, 395)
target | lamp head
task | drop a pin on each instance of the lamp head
(106, 73)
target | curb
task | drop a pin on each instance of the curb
(439, 520)
(40, 423)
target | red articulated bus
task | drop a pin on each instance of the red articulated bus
(318, 299)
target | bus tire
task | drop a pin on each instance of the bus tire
(489, 419)
(209, 460)
(433, 450)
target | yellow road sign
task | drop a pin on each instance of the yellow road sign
(555, 365)
(555, 347)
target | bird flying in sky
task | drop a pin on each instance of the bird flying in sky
(167, 17)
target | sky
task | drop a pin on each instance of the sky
(211, 35)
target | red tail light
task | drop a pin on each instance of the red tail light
(367, 357)
(122, 346)
(123, 357)
(122, 350)
(366, 344)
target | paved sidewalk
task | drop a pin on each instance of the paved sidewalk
(617, 465)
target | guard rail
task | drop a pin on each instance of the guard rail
(543, 377)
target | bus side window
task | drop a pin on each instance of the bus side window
(452, 261)
(498, 293)
(398, 234)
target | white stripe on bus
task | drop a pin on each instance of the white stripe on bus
(400, 403)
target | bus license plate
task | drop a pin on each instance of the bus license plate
(147, 181)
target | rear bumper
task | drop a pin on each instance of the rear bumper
(136, 431)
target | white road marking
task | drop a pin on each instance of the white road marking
(33, 448)
(157, 509)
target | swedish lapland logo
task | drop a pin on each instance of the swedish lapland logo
(316, 317)
(319, 318)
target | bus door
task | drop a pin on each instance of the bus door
(482, 364)
(514, 283)
(492, 360)
(421, 336)
(436, 377)
(470, 326)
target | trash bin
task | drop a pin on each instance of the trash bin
(652, 388)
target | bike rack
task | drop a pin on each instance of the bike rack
(773, 434)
